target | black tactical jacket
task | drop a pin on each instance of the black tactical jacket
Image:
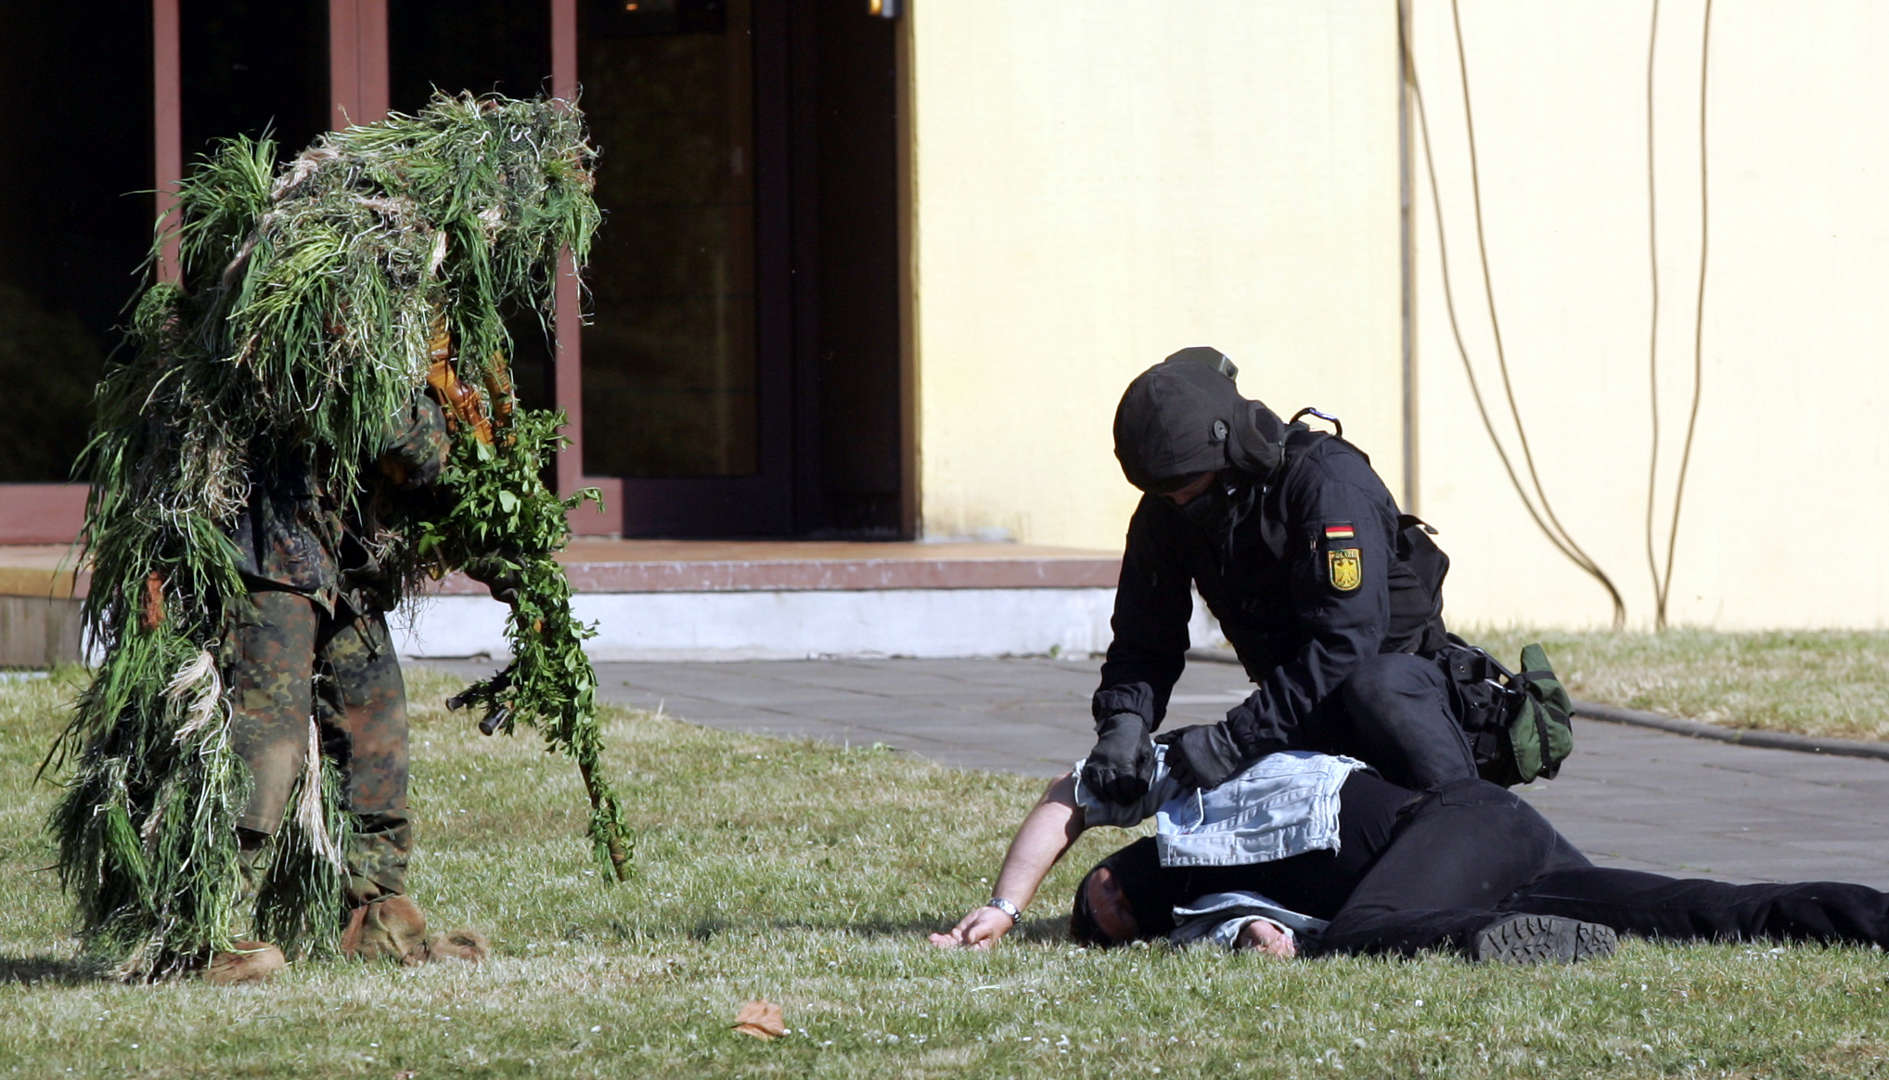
(1314, 570)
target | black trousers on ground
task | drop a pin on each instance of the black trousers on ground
(1471, 853)
(1429, 870)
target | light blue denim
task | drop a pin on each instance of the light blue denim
(1282, 805)
(1219, 918)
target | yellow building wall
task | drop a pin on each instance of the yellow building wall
(1785, 492)
(1094, 185)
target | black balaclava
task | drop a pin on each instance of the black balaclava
(1183, 417)
(1145, 884)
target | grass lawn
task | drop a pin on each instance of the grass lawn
(1824, 682)
(807, 874)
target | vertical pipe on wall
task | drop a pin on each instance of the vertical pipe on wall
(568, 390)
(1408, 274)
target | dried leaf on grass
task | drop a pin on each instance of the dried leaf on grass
(761, 1019)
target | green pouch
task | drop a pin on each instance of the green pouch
(1540, 733)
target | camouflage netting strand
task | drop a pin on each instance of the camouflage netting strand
(315, 301)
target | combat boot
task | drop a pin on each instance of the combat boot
(246, 962)
(390, 928)
(1538, 939)
(468, 945)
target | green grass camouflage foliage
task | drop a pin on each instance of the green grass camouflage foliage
(314, 297)
(807, 874)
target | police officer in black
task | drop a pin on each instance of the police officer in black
(1329, 595)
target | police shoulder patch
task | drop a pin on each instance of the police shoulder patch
(1346, 566)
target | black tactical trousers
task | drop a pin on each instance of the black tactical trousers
(292, 664)
(1471, 853)
(1401, 713)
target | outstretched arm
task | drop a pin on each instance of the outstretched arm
(1049, 829)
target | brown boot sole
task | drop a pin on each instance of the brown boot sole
(469, 946)
(248, 962)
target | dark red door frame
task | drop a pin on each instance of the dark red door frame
(357, 61)
(54, 513)
(359, 92)
(567, 352)
(761, 503)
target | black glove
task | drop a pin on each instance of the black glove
(1122, 763)
(499, 578)
(1203, 756)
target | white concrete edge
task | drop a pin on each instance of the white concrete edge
(928, 623)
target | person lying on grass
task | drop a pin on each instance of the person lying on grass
(1304, 853)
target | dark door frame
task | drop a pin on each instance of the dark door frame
(357, 49)
(774, 498)
(762, 503)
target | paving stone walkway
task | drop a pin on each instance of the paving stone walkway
(1628, 796)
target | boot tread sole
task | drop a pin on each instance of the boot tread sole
(1541, 939)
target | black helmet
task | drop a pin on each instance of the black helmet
(1183, 417)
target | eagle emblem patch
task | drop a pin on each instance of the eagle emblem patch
(1347, 568)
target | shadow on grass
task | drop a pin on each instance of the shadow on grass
(52, 970)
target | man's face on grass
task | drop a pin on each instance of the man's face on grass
(1125, 897)
(1110, 907)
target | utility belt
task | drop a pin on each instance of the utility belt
(1519, 723)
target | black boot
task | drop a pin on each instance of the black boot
(1540, 939)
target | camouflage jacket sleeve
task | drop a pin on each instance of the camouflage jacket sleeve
(402, 479)
(416, 446)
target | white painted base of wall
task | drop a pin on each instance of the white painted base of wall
(794, 625)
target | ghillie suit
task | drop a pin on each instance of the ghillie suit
(315, 306)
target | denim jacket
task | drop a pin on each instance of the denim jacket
(1282, 805)
(1219, 918)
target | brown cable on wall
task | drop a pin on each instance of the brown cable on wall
(1698, 321)
(1652, 349)
(1556, 535)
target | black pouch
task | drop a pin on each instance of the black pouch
(1520, 724)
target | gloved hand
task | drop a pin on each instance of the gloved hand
(499, 579)
(1122, 762)
(1202, 756)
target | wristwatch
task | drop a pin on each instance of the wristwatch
(1007, 908)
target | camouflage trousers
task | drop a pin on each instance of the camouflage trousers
(290, 661)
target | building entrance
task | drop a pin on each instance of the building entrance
(737, 370)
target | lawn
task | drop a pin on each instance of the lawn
(1824, 682)
(806, 874)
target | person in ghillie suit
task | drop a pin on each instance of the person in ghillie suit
(312, 641)
(316, 416)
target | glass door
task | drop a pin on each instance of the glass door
(685, 357)
(75, 223)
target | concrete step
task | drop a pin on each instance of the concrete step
(675, 600)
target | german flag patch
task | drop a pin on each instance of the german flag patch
(1339, 531)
